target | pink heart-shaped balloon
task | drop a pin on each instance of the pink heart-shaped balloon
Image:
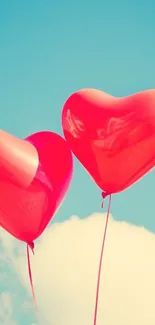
(35, 175)
(113, 138)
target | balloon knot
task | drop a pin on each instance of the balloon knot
(31, 245)
(104, 195)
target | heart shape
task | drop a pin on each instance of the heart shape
(113, 138)
(28, 203)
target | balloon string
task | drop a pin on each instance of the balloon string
(100, 263)
(30, 275)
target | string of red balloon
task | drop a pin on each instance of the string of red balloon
(30, 277)
(100, 263)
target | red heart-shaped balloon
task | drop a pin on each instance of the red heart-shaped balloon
(113, 138)
(35, 175)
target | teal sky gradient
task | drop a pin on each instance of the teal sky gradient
(50, 49)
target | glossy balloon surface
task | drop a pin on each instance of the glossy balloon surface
(25, 211)
(113, 138)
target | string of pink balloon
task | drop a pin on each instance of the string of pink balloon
(113, 138)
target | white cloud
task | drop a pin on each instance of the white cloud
(65, 270)
(6, 309)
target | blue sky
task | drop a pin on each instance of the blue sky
(50, 49)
